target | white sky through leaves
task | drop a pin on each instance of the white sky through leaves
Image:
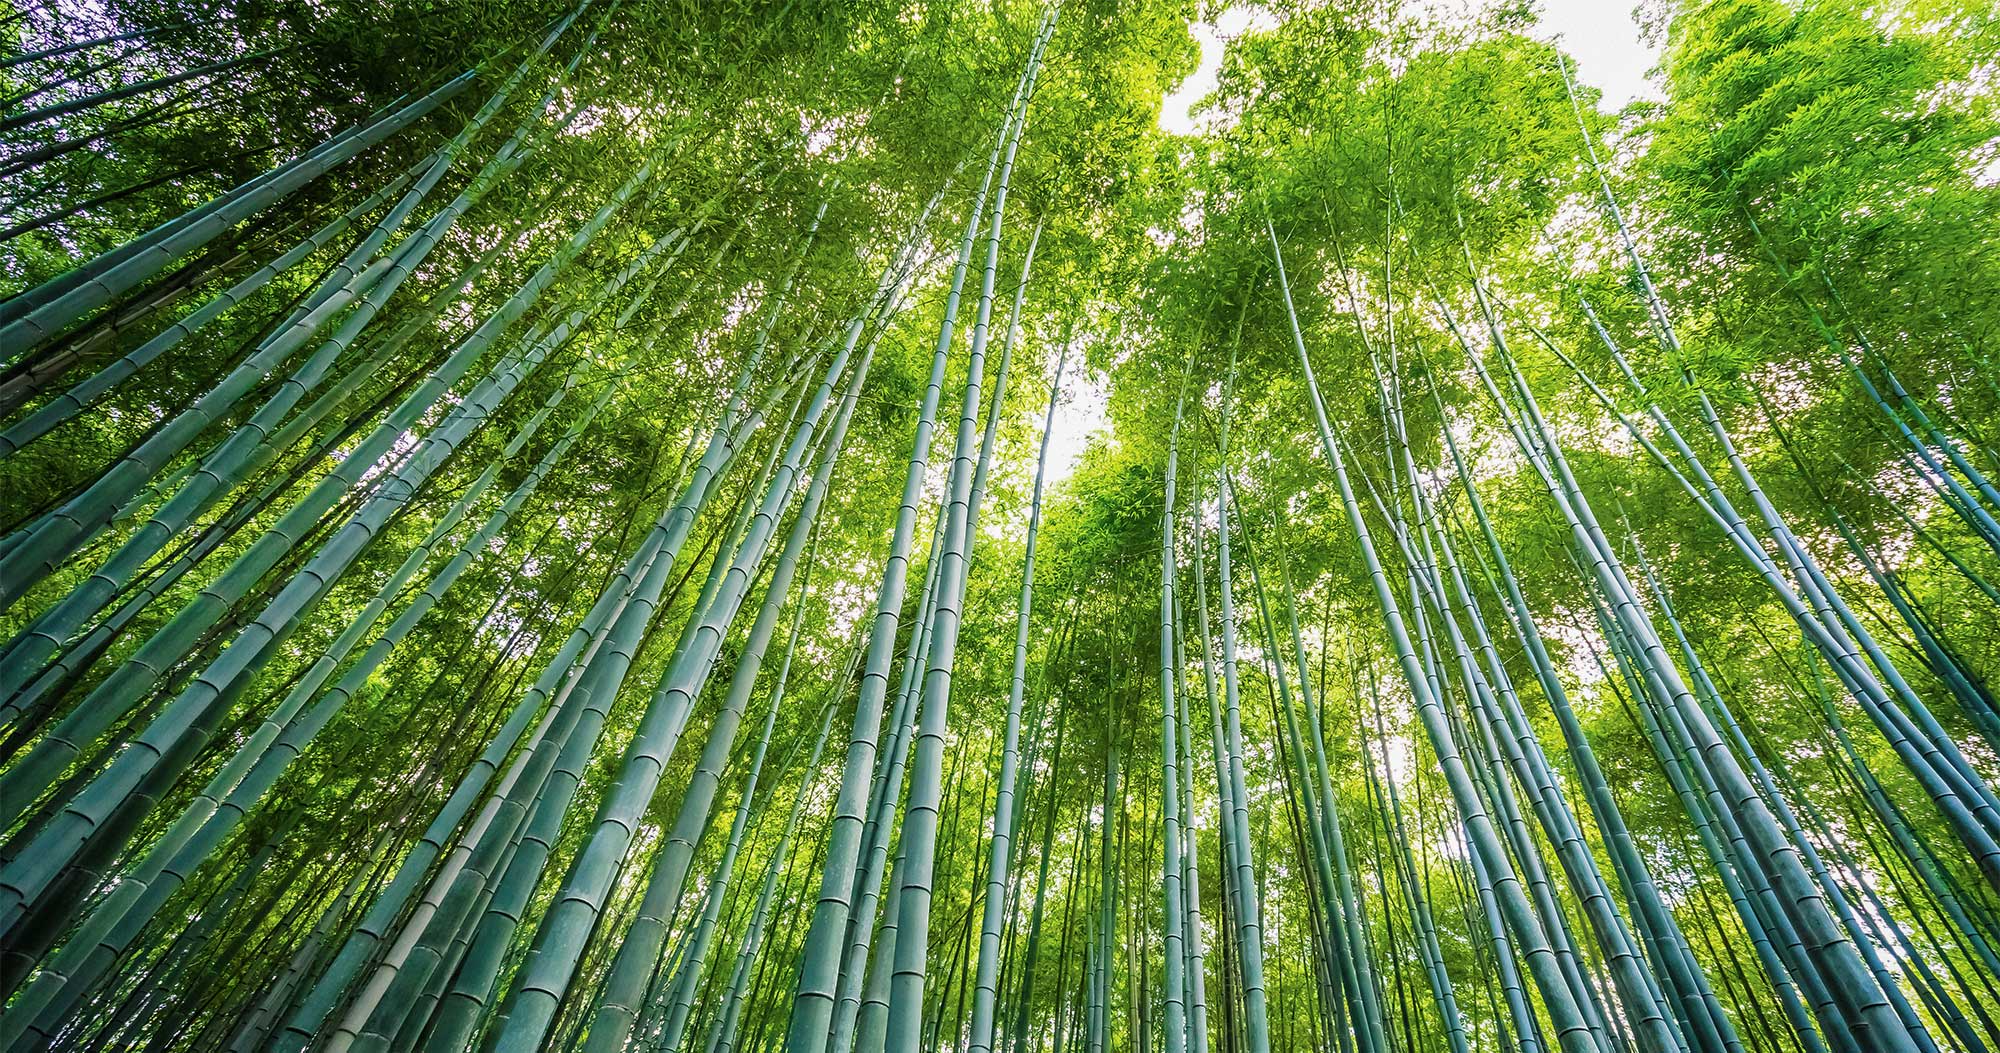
(1600, 35)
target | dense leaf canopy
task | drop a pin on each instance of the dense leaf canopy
(821, 526)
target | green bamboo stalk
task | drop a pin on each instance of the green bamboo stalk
(596, 653)
(614, 1019)
(476, 903)
(1303, 810)
(1572, 1030)
(1704, 1021)
(1243, 886)
(920, 816)
(120, 691)
(347, 283)
(1977, 512)
(561, 935)
(58, 843)
(1635, 985)
(1422, 922)
(34, 697)
(67, 404)
(722, 1037)
(1674, 742)
(1103, 925)
(1957, 789)
(821, 974)
(1357, 971)
(248, 447)
(1823, 946)
(1174, 1016)
(246, 450)
(685, 978)
(95, 99)
(257, 765)
(885, 798)
(1874, 1008)
(1005, 814)
(872, 1020)
(1024, 995)
(1776, 968)
(298, 596)
(45, 316)
(1720, 713)
(1196, 968)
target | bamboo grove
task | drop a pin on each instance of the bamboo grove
(820, 527)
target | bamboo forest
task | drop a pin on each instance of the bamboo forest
(999, 526)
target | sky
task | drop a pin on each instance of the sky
(1604, 40)
(1599, 35)
(1174, 115)
(1080, 414)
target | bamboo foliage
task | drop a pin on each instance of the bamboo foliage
(820, 970)
(253, 444)
(58, 304)
(419, 428)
